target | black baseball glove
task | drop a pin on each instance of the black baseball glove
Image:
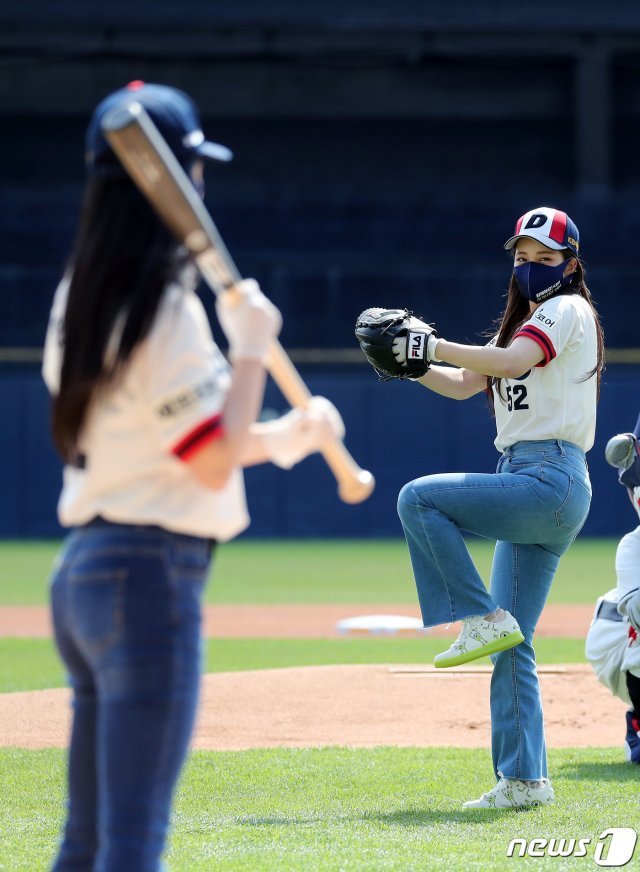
(396, 344)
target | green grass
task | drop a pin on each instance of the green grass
(316, 571)
(321, 809)
(29, 664)
(337, 809)
(32, 664)
(230, 655)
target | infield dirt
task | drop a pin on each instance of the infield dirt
(358, 706)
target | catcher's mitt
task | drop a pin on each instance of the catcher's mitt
(395, 343)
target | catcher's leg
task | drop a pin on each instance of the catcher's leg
(632, 739)
(633, 686)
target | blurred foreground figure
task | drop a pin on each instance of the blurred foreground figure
(154, 427)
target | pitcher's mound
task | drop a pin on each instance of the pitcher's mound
(360, 706)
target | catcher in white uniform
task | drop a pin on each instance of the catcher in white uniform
(154, 427)
(613, 643)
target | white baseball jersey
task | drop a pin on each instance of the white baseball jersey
(166, 405)
(613, 646)
(554, 400)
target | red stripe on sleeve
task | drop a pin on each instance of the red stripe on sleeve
(531, 332)
(558, 227)
(205, 432)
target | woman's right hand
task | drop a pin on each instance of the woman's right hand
(250, 321)
(301, 432)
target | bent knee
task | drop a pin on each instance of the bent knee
(407, 498)
(419, 493)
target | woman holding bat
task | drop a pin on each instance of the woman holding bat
(154, 427)
(541, 372)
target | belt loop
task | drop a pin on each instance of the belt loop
(561, 447)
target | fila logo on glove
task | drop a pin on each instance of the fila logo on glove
(415, 346)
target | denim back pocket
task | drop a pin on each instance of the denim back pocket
(529, 462)
(573, 511)
(187, 571)
(96, 601)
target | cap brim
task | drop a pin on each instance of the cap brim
(549, 243)
(214, 151)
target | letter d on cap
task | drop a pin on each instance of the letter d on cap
(537, 220)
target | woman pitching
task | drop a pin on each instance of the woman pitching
(542, 374)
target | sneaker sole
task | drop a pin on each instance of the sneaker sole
(508, 808)
(502, 644)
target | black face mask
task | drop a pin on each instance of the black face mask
(537, 281)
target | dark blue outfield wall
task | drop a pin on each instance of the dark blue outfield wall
(398, 431)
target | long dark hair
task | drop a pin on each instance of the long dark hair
(121, 262)
(517, 311)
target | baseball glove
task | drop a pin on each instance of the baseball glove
(395, 343)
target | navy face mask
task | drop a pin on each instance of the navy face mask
(538, 282)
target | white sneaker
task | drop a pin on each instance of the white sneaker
(512, 793)
(479, 638)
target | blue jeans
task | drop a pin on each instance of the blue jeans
(126, 614)
(534, 506)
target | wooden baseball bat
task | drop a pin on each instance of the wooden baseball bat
(157, 172)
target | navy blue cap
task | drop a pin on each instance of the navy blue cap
(172, 111)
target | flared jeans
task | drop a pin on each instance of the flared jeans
(534, 505)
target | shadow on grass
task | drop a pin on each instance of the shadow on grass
(402, 818)
(274, 820)
(600, 772)
(424, 817)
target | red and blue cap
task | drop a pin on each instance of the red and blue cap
(551, 227)
(172, 111)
